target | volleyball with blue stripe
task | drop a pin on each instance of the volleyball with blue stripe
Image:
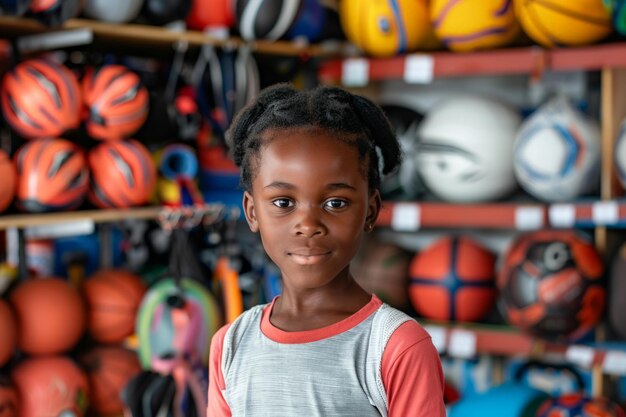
(453, 279)
(470, 25)
(385, 27)
(556, 154)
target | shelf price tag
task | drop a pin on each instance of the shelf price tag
(529, 218)
(614, 363)
(605, 212)
(64, 229)
(419, 69)
(406, 217)
(355, 72)
(562, 216)
(462, 344)
(438, 336)
(580, 355)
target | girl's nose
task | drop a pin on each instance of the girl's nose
(309, 223)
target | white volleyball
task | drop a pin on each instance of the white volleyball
(466, 149)
(557, 152)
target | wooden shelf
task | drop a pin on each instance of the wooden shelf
(158, 36)
(97, 216)
(414, 216)
(526, 60)
(471, 339)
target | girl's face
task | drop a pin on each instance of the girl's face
(310, 202)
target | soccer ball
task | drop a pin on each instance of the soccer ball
(557, 152)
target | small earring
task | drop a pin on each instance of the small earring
(369, 228)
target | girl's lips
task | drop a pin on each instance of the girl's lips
(309, 258)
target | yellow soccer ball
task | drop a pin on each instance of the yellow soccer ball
(385, 28)
(564, 22)
(470, 25)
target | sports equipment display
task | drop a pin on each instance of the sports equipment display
(116, 101)
(466, 149)
(211, 14)
(114, 11)
(50, 313)
(9, 181)
(9, 333)
(108, 368)
(112, 297)
(51, 386)
(405, 183)
(550, 285)
(453, 279)
(52, 175)
(556, 155)
(40, 99)
(265, 19)
(553, 23)
(580, 406)
(122, 174)
(470, 25)
(385, 28)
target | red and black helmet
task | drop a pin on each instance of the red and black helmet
(40, 99)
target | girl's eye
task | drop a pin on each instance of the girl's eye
(336, 203)
(282, 203)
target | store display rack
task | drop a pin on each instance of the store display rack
(161, 37)
(424, 67)
(470, 340)
(414, 216)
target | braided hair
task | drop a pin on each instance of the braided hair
(351, 118)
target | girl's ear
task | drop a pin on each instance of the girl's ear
(373, 209)
(248, 210)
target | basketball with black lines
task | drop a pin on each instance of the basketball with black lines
(116, 102)
(453, 279)
(579, 405)
(112, 297)
(52, 175)
(470, 25)
(108, 368)
(41, 99)
(554, 23)
(551, 285)
(123, 174)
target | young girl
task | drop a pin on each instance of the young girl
(311, 163)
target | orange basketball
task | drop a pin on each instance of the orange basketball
(50, 387)
(113, 297)
(9, 180)
(8, 330)
(50, 315)
(453, 279)
(108, 370)
(8, 398)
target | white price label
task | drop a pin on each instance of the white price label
(615, 363)
(605, 213)
(462, 344)
(438, 336)
(580, 355)
(529, 218)
(562, 216)
(64, 229)
(419, 69)
(355, 72)
(406, 217)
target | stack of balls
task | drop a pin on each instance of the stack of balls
(42, 101)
